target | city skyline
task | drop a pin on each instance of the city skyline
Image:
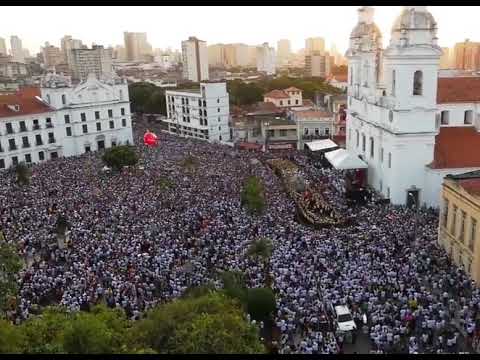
(333, 23)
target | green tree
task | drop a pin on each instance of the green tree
(10, 265)
(261, 303)
(156, 103)
(214, 318)
(252, 195)
(140, 94)
(234, 286)
(23, 173)
(261, 250)
(120, 156)
(10, 338)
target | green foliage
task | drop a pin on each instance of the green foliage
(234, 286)
(261, 303)
(261, 248)
(190, 163)
(252, 195)
(156, 103)
(242, 93)
(140, 94)
(198, 291)
(10, 265)
(10, 338)
(23, 173)
(214, 318)
(120, 156)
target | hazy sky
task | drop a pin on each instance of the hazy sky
(168, 26)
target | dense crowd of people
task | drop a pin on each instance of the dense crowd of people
(135, 242)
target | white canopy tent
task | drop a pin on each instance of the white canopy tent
(341, 159)
(318, 145)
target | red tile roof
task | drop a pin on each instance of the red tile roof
(456, 147)
(313, 114)
(27, 102)
(292, 88)
(277, 94)
(472, 186)
(339, 77)
(308, 102)
(458, 90)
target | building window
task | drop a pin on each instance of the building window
(36, 125)
(14, 160)
(463, 215)
(83, 116)
(389, 160)
(23, 127)
(358, 138)
(364, 145)
(41, 155)
(283, 132)
(468, 117)
(25, 142)
(204, 112)
(54, 155)
(85, 129)
(445, 117)
(296, 102)
(48, 122)
(218, 101)
(112, 124)
(110, 113)
(99, 126)
(381, 155)
(454, 220)
(281, 102)
(12, 145)
(390, 115)
(64, 99)
(121, 94)
(48, 98)
(2, 164)
(372, 147)
(288, 102)
(218, 109)
(473, 233)
(38, 140)
(28, 158)
(51, 138)
(124, 122)
(122, 111)
(199, 102)
(305, 131)
(393, 82)
(67, 119)
(417, 83)
(317, 131)
(69, 131)
(97, 115)
(327, 131)
(9, 128)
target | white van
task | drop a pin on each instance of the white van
(343, 319)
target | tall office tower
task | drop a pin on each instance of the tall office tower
(96, 60)
(467, 55)
(3, 47)
(51, 55)
(266, 59)
(16, 49)
(318, 65)
(284, 51)
(67, 44)
(136, 46)
(195, 59)
(241, 55)
(315, 44)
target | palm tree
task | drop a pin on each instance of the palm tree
(23, 174)
(261, 250)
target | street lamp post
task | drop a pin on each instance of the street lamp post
(416, 218)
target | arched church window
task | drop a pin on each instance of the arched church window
(417, 83)
(48, 98)
(390, 115)
(64, 99)
(393, 82)
(351, 76)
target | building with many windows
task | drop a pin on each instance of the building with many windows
(199, 113)
(194, 59)
(96, 60)
(63, 120)
(459, 221)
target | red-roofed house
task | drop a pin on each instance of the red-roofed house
(339, 81)
(284, 98)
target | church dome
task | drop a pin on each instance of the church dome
(415, 25)
(365, 36)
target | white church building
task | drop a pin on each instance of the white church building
(402, 119)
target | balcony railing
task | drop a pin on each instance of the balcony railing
(10, 131)
(23, 129)
(12, 147)
(315, 137)
(36, 127)
(51, 140)
(25, 145)
(39, 143)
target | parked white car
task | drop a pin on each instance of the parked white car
(343, 319)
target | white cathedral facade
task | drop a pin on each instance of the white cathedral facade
(392, 120)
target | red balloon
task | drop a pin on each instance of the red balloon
(150, 139)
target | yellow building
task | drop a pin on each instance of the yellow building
(458, 227)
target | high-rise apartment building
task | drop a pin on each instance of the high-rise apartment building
(3, 47)
(195, 59)
(266, 61)
(467, 55)
(284, 51)
(318, 65)
(136, 46)
(16, 49)
(67, 44)
(315, 44)
(96, 60)
(51, 55)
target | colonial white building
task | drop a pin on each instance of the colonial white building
(63, 120)
(394, 113)
(200, 113)
(284, 98)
